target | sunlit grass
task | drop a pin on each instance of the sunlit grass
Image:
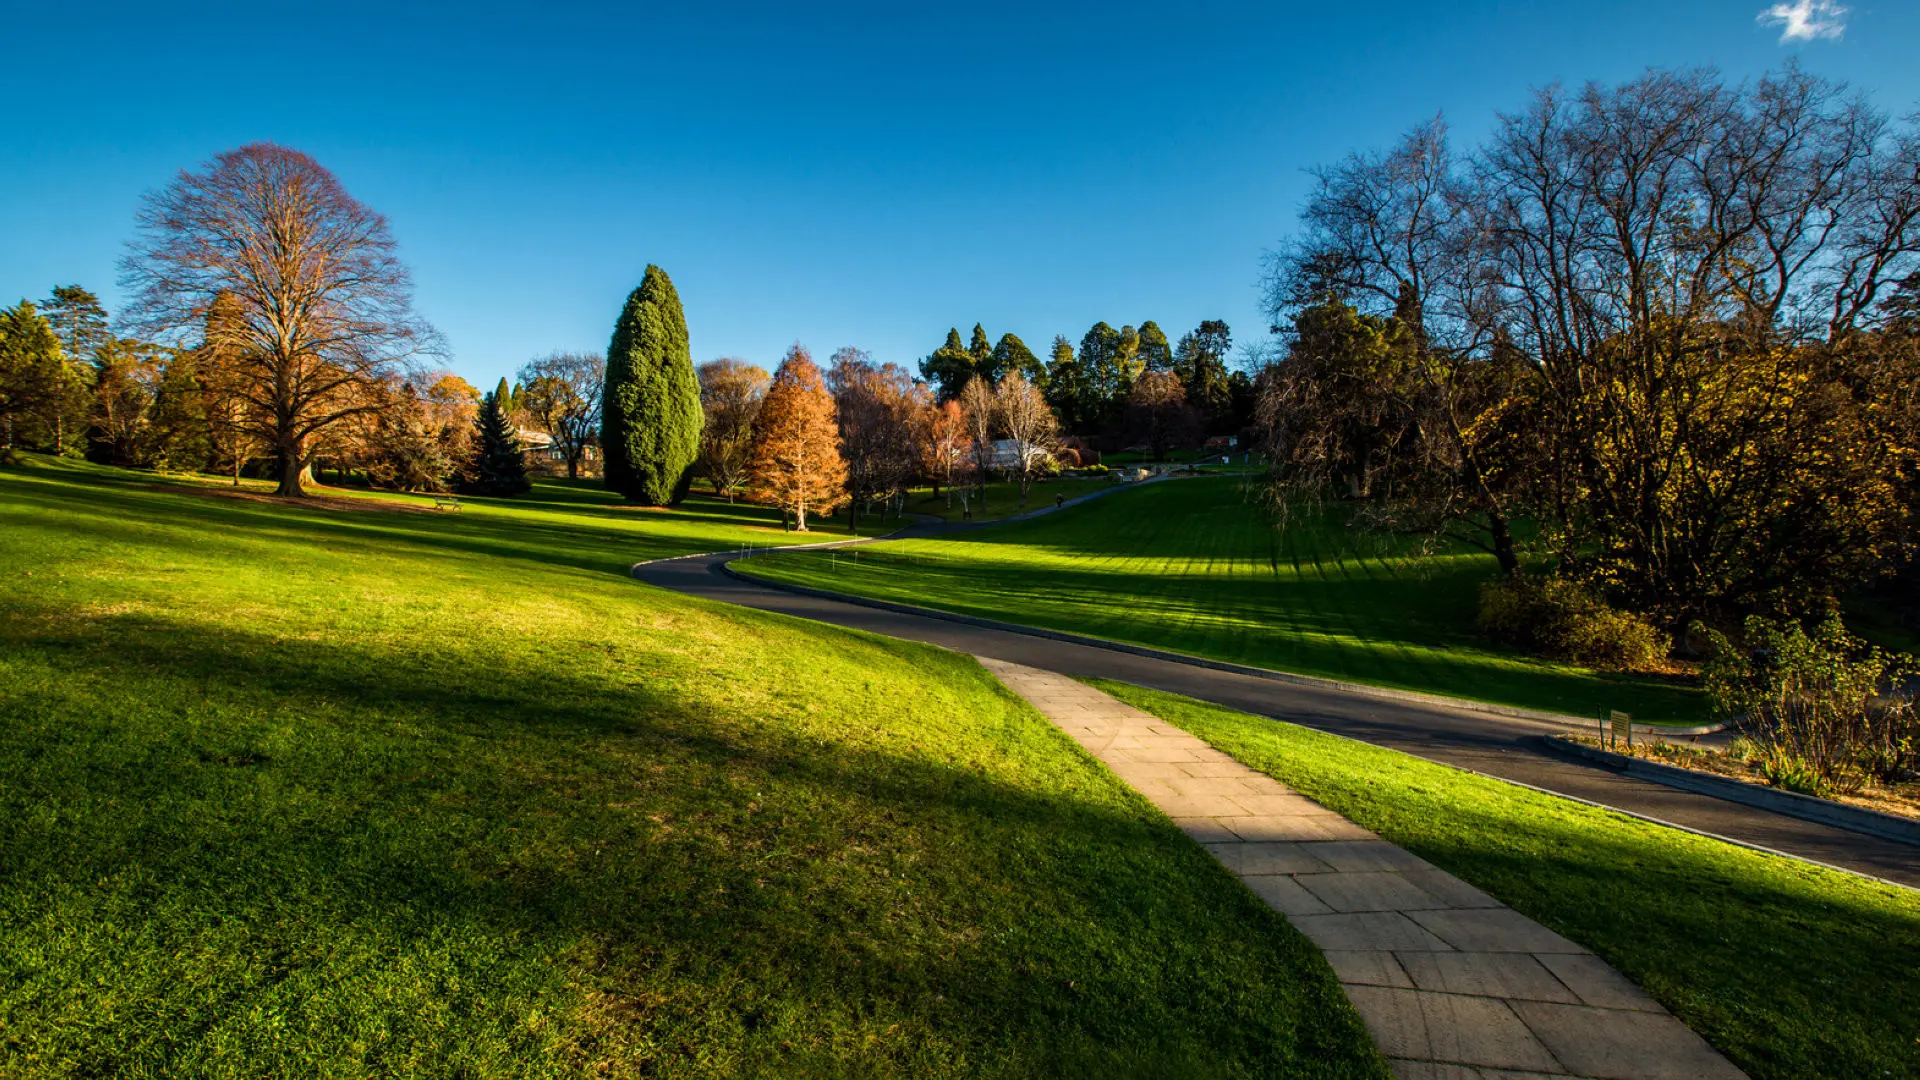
(295, 792)
(1791, 969)
(1193, 566)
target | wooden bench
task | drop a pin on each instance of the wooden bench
(446, 502)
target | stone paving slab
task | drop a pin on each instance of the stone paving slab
(1452, 984)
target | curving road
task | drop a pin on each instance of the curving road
(1506, 748)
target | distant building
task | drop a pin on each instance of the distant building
(1004, 454)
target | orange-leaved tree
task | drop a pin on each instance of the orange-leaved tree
(796, 443)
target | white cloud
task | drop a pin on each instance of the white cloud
(1805, 20)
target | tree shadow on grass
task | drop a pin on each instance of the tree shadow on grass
(755, 865)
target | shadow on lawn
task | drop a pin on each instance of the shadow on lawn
(128, 504)
(771, 864)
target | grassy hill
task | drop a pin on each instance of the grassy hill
(377, 792)
(1189, 565)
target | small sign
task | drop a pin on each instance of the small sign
(1622, 726)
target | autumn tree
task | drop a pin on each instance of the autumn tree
(796, 463)
(1645, 316)
(1026, 421)
(945, 444)
(1158, 412)
(320, 305)
(874, 404)
(730, 394)
(126, 384)
(561, 393)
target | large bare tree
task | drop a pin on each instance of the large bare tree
(1022, 414)
(315, 305)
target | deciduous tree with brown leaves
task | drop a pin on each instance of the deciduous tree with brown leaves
(730, 395)
(796, 449)
(319, 306)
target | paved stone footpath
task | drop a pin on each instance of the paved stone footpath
(1452, 984)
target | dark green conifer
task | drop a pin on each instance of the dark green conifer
(651, 416)
(498, 467)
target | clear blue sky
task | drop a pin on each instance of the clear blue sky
(865, 175)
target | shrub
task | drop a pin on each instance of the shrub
(1557, 618)
(1825, 702)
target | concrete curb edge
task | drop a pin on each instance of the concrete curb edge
(1806, 807)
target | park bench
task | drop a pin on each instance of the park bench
(446, 502)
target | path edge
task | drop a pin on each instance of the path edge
(1792, 804)
(1360, 689)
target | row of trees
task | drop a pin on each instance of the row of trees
(861, 433)
(1092, 389)
(1664, 331)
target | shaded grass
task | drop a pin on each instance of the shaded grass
(1790, 969)
(1191, 565)
(290, 792)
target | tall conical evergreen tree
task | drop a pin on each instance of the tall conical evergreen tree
(651, 417)
(498, 467)
(503, 394)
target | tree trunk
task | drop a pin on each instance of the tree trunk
(293, 468)
(800, 517)
(1503, 544)
(573, 466)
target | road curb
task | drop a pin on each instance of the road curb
(1792, 804)
(1359, 689)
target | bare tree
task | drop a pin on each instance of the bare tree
(730, 394)
(561, 392)
(1030, 427)
(316, 303)
(1158, 412)
(977, 403)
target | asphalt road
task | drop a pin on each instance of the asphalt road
(1497, 746)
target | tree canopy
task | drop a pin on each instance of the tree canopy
(651, 415)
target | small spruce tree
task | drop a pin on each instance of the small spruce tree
(498, 466)
(651, 415)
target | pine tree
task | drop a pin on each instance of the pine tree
(498, 467)
(949, 368)
(796, 447)
(651, 417)
(981, 350)
(503, 394)
(1010, 354)
(1155, 353)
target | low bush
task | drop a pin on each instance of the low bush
(1825, 705)
(1556, 617)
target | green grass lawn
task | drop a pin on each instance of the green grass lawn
(1789, 969)
(1003, 497)
(298, 792)
(1191, 565)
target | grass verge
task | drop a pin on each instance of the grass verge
(1791, 970)
(1190, 565)
(293, 792)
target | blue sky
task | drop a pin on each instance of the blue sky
(833, 174)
